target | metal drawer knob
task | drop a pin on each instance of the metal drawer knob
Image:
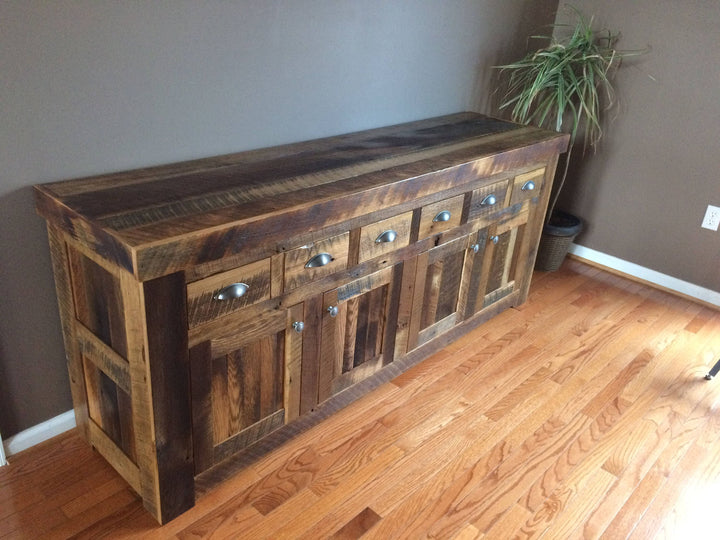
(490, 200)
(475, 248)
(386, 237)
(236, 290)
(528, 186)
(321, 259)
(298, 326)
(495, 239)
(442, 216)
(333, 311)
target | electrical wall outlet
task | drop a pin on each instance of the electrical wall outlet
(712, 218)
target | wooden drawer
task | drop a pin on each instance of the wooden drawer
(316, 260)
(226, 292)
(384, 236)
(440, 216)
(527, 185)
(487, 199)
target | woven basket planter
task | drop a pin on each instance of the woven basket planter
(555, 240)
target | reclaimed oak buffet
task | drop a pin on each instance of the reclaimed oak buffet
(212, 309)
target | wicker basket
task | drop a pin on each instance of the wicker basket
(555, 241)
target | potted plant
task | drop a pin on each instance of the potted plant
(565, 85)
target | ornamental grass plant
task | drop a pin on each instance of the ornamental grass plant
(566, 85)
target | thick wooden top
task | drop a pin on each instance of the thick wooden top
(162, 219)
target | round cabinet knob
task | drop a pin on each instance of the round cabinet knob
(490, 200)
(298, 326)
(494, 239)
(443, 216)
(236, 290)
(475, 248)
(528, 186)
(333, 311)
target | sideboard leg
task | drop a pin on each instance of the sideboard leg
(159, 363)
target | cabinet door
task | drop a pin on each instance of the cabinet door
(359, 324)
(244, 384)
(503, 247)
(439, 290)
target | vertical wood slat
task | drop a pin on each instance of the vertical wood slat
(392, 307)
(63, 288)
(406, 292)
(240, 375)
(202, 409)
(165, 313)
(141, 393)
(351, 321)
(332, 343)
(310, 354)
(221, 415)
(293, 364)
(361, 333)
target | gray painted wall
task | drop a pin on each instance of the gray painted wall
(93, 86)
(644, 194)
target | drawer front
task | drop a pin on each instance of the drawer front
(488, 199)
(440, 216)
(527, 185)
(384, 236)
(316, 260)
(226, 292)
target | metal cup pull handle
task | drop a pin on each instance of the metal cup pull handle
(321, 259)
(235, 290)
(490, 200)
(442, 216)
(528, 186)
(386, 237)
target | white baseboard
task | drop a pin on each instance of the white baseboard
(685, 288)
(3, 461)
(39, 433)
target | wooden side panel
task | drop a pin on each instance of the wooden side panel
(110, 408)
(98, 301)
(165, 315)
(63, 287)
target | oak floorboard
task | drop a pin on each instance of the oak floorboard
(580, 414)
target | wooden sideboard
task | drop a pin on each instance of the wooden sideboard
(213, 309)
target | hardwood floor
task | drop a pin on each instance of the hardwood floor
(581, 414)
